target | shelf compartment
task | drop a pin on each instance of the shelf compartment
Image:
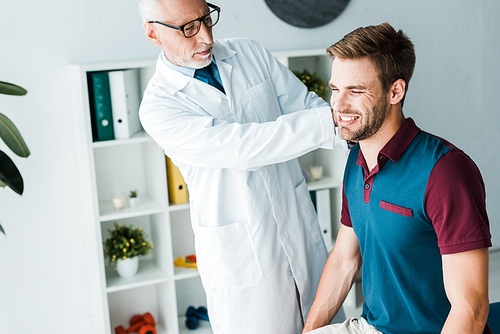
(159, 300)
(149, 274)
(136, 165)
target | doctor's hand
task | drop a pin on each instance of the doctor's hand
(334, 119)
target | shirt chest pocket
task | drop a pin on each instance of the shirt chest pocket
(396, 209)
(259, 104)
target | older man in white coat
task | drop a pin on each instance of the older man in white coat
(258, 243)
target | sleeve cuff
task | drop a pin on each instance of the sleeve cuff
(327, 126)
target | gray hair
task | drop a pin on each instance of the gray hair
(150, 10)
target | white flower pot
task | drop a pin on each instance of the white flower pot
(134, 201)
(128, 267)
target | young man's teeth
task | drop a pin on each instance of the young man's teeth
(348, 119)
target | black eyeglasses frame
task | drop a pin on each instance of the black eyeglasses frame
(200, 19)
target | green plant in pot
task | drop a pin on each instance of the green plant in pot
(124, 246)
(9, 174)
(314, 82)
(133, 199)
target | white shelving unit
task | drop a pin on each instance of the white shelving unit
(107, 167)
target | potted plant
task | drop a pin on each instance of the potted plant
(9, 174)
(133, 200)
(313, 82)
(123, 248)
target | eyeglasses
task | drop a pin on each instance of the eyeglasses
(193, 27)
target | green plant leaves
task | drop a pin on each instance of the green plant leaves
(9, 174)
(12, 137)
(11, 89)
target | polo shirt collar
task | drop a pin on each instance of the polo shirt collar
(394, 148)
(398, 144)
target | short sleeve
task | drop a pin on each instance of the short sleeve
(455, 202)
(345, 217)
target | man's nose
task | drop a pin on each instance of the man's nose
(204, 36)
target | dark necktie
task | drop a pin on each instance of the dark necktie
(206, 75)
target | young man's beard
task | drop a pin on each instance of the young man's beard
(371, 123)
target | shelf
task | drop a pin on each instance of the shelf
(147, 206)
(203, 328)
(149, 274)
(140, 137)
(178, 207)
(183, 273)
(323, 183)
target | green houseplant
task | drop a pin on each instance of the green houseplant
(125, 242)
(133, 199)
(313, 82)
(9, 174)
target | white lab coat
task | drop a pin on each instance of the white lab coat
(256, 232)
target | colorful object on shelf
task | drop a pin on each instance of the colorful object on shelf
(188, 262)
(193, 316)
(139, 323)
(177, 188)
(191, 258)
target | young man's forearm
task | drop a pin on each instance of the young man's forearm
(336, 281)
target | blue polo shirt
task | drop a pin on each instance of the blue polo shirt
(425, 198)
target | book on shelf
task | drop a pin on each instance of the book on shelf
(125, 102)
(100, 106)
(177, 189)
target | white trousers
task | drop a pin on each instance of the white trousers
(350, 326)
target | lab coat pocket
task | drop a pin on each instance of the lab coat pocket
(263, 102)
(227, 256)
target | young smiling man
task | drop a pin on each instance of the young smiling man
(413, 211)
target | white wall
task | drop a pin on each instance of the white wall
(44, 287)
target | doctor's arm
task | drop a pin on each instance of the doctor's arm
(466, 283)
(340, 273)
(204, 141)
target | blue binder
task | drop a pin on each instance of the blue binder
(101, 114)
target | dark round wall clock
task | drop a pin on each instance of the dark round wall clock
(307, 13)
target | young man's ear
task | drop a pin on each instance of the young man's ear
(397, 91)
(151, 34)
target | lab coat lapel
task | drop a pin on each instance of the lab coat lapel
(225, 68)
(172, 80)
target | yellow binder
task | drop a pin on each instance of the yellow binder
(177, 189)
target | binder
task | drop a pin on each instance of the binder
(100, 106)
(125, 101)
(321, 201)
(177, 189)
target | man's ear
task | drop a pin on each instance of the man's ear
(397, 91)
(151, 34)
